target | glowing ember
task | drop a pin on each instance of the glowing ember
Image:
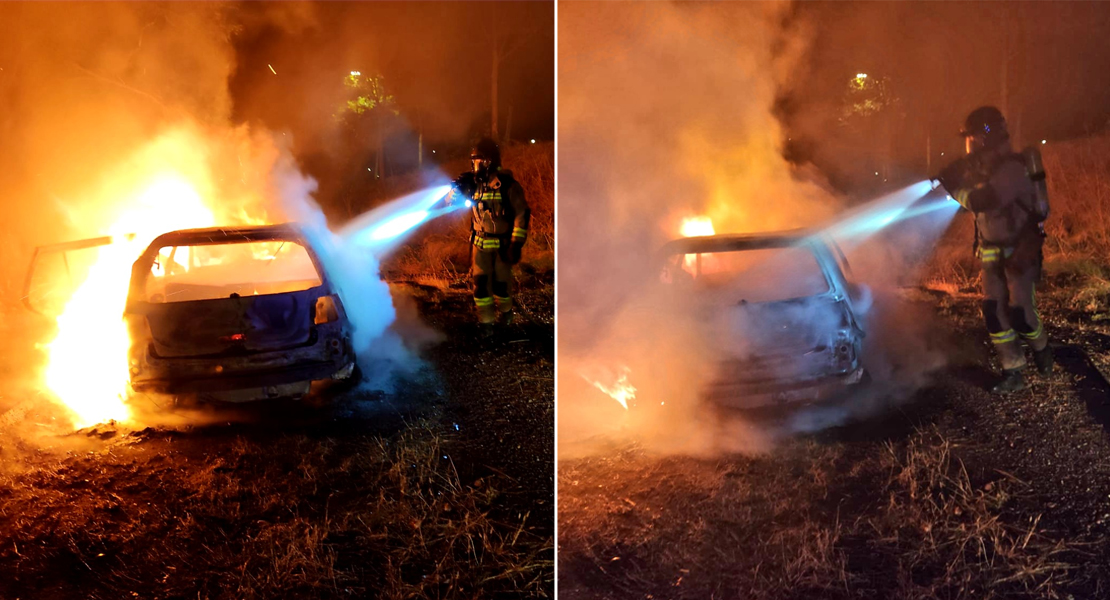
(87, 367)
(620, 390)
(696, 226)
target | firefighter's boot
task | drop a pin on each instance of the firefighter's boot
(504, 308)
(487, 315)
(1012, 381)
(1044, 360)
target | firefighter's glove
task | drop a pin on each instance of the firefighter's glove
(516, 248)
(954, 176)
(463, 186)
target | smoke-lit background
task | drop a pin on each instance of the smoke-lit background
(665, 113)
(929, 64)
(84, 86)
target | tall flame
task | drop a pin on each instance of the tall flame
(186, 177)
(87, 364)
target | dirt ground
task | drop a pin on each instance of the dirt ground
(441, 488)
(954, 493)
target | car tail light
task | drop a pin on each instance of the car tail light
(844, 348)
(326, 311)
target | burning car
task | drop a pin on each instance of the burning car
(234, 314)
(783, 314)
(231, 314)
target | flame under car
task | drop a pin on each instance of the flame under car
(234, 314)
(781, 310)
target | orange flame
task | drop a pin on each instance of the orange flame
(166, 187)
(695, 226)
(620, 390)
(87, 364)
(692, 227)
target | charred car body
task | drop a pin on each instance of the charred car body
(782, 311)
(234, 314)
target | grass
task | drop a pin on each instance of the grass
(810, 521)
(297, 516)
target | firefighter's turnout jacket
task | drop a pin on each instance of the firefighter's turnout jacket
(499, 228)
(997, 189)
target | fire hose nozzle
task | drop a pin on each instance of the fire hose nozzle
(449, 199)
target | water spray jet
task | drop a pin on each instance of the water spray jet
(910, 202)
(383, 227)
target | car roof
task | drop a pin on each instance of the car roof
(741, 241)
(218, 235)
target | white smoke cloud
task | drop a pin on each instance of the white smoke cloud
(667, 111)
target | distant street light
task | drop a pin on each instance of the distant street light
(1044, 141)
(356, 73)
(861, 75)
(533, 141)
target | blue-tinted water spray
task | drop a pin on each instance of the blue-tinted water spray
(383, 228)
(351, 257)
(911, 201)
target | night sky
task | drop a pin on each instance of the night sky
(943, 59)
(435, 57)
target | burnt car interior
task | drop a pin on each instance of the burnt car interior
(780, 311)
(753, 275)
(226, 270)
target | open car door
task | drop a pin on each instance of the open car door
(56, 270)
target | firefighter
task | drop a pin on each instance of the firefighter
(992, 182)
(499, 228)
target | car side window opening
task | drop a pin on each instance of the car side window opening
(245, 268)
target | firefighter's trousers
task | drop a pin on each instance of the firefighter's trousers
(1010, 277)
(493, 279)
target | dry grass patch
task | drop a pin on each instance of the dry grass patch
(295, 516)
(813, 520)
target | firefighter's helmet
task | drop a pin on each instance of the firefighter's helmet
(988, 122)
(486, 149)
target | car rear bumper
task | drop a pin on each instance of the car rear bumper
(750, 395)
(329, 358)
(276, 377)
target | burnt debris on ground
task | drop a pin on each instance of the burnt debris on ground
(957, 493)
(442, 488)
